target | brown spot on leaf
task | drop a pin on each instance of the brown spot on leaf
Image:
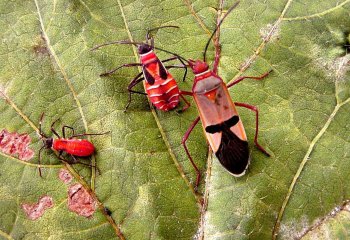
(16, 145)
(65, 176)
(40, 47)
(36, 210)
(80, 201)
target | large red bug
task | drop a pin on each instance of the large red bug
(74, 146)
(160, 85)
(221, 123)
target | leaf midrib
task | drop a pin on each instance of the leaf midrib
(154, 113)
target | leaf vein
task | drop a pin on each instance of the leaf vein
(14, 106)
(317, 14)
(263, 44)
(195, 15)
(31, 164)
(301, 167)
(165, 139)
(70, 86)
(5, 235)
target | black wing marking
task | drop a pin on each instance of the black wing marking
(233, 153)
(231, 122)
(221, 126)
(149, 78)
(214, 128)
(162, 71)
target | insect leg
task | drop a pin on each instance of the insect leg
(53, 130)
(64, 132)
(187, 93)
(132, 84)
(40, 123)
(183, 142)
(185, 66)
(255, 109)
(176, 66)
(115, 69)
(76, 161)
(39, 160)
(186, 102)
(182, 93)
(61, 158)
(249, 77)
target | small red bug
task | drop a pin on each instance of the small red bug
(72, 145)
(222, 125)
(160, 85)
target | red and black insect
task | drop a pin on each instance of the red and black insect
(222, 125)
(160, 85)
(73, 146)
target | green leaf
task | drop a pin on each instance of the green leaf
(334, 226)
(144, 177)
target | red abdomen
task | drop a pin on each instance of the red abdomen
(164, 92)
(76, 147)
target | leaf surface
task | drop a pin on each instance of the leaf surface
(144, 177)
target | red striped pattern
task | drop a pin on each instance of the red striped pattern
(164, 94)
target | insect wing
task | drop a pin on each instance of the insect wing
(233, 153)
(215, 106)
(163, 73)
(148, 76)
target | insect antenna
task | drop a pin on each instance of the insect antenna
(175, 54)
(117, 42)
(148, 35)
(217, 27)
(140, 43)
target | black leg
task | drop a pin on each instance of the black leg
(132, 84)
(53, 130)
(175, 66)
(76, 161)
(185, 66)
(40, 123)
(39, 160)
(64, 132)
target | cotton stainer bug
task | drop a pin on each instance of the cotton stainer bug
(221, 123)
(73, 146)
(160, 85)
